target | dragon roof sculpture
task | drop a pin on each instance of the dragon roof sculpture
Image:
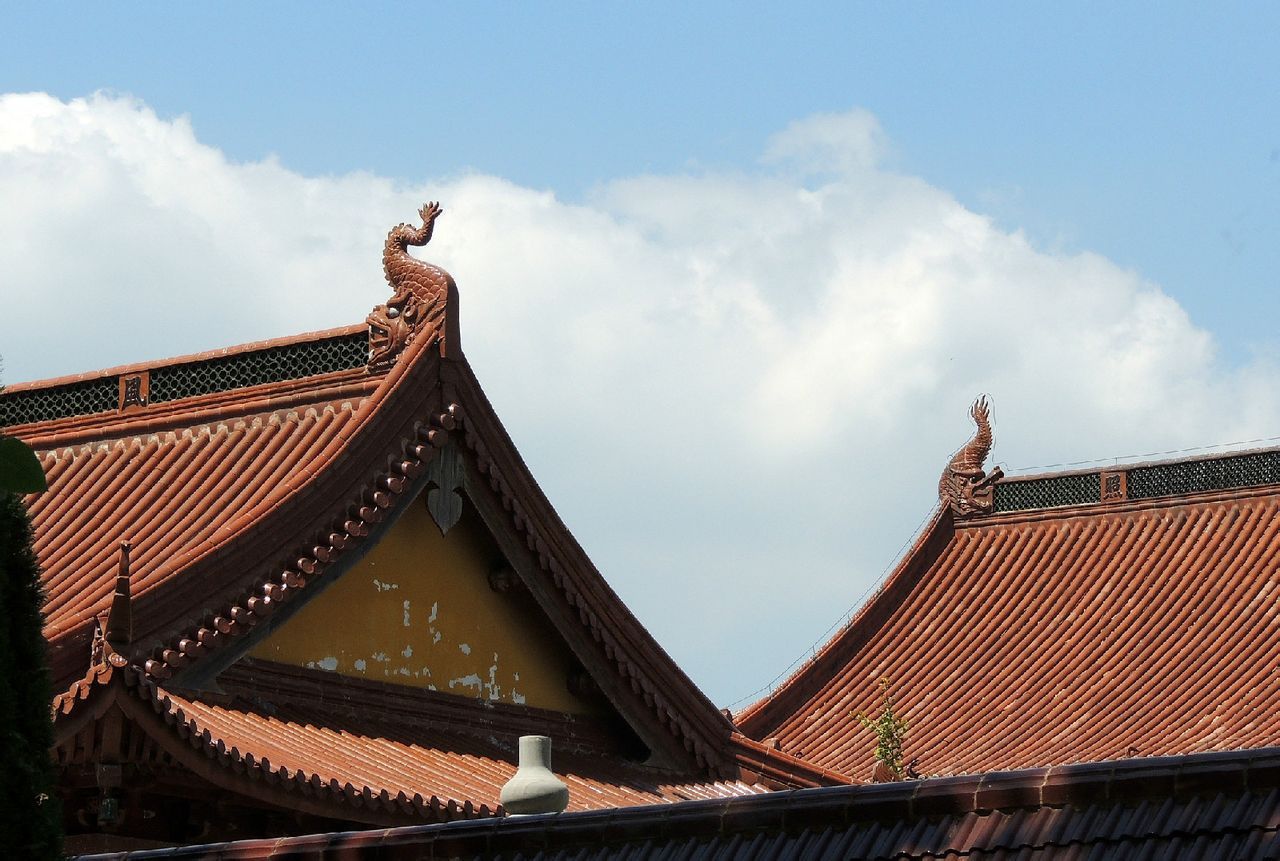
(421, 292)
(965, 487)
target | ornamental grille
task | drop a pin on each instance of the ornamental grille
(272, 365)
(1144, 482)
(59, 402)
(1055, 492)
(1219, 473)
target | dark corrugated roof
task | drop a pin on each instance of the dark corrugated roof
(1202, 806)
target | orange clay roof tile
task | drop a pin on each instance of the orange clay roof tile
(1037, 639)
(211, 489)
(426, 774)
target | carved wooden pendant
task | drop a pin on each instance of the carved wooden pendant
(444, 485)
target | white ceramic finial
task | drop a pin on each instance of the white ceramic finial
(534, 788)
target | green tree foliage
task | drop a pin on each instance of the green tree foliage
(30, 819)
(890, 732)
(20, 470)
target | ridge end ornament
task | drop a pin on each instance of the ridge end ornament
(113, 633)
(421, 293)
(965, 488)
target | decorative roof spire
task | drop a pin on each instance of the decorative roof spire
(964, 487)
(421, 294)
(118, 632)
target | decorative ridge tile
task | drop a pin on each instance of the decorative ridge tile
(137, 387)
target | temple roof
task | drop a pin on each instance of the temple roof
(243, 481)
(1080, 616)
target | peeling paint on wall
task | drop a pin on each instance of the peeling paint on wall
(365, 625)
(468, 681)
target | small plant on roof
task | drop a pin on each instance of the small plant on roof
(891, 734)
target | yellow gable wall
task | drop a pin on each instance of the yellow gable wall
(418, 610)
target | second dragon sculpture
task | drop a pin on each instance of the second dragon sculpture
(965, 487)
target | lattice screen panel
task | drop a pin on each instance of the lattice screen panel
(59, 402)
(290, 362)
(1052, 492)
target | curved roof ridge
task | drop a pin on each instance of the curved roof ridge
(387, 399)
(760, 718)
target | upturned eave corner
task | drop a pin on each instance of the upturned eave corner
(423, 302)
(965, 488)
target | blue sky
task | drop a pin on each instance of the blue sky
(1148, 133)
(731, 274)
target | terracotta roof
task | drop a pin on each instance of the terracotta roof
(307, 756)
(241, 476)
(1079, 632)
(208, 489)
(1210, 806)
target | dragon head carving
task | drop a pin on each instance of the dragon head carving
(964, 487)
(420, 292)
(390, 331)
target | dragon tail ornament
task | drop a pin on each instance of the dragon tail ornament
(421, 293)
(964, 487)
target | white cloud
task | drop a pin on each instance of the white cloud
(827, 143)
(738, 389)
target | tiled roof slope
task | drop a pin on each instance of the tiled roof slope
(209, 489)
(310, 757)
(1208, 806)
(1079, 633)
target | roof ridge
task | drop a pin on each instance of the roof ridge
(367, 507)
(762, 717)
(186, 358)
(1138, 482)
(151, 390)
